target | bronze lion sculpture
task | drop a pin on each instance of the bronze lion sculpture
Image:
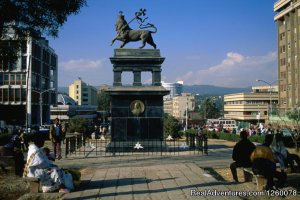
(126, 34)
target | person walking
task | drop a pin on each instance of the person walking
(56, 138)
(241, 154)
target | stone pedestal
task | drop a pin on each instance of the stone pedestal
(132, 120)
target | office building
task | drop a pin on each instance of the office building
(251, 107)
(21, 83)
(182, 103)
(288, 33)
(175, 89)
(83, 93)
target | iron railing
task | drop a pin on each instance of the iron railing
(79, 146)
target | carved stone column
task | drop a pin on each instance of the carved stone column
(117, 78)
(137, 78)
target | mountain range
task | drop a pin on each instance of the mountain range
(213, 90)
(195, 89)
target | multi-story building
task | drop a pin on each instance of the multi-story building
(67, 109)
(182, 103)
(288, 36)
(168, 106)
(175, 89)
(32, 75)
(251, 107)
(83, 93)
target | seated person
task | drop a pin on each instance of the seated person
(279, 151)
(263, 163)
(13, 148)
(282, 155)
(49, 155)
(241, 154)
(39, 166)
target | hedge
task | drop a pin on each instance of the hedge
(232, 137)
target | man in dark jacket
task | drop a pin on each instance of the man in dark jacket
(241, 154)
(56, 138)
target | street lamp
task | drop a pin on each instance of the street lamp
(41, 102)
(186, 117)
(270, 90)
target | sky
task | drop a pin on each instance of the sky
(228, 43)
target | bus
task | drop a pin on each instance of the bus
(222, 123)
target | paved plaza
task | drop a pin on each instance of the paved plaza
(154, 177)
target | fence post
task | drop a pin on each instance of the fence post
(67, 146)
(205, 144)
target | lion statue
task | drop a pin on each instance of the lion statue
(126, 34)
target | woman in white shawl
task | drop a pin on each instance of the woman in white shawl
(39, 166)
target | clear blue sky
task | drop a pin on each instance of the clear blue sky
(222, 42)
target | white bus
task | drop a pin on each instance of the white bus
(222, 123)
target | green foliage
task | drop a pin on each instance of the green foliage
(257, 138)
(171, 126)
(103, 101)
(232, 137)
(294, 114)
(34, 17)
(209, 110)
(78, 124)
(190, 132)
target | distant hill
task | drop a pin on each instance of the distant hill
(213, 90)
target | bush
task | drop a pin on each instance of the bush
(229, 136)
(190, 132)
(232, 137)
(257, 138)
(171, 126)
(78, 125)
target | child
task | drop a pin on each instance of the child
(48, 154)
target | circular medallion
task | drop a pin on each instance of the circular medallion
(137, 107)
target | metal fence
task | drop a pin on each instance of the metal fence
(79, 146)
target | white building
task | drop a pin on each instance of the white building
(175, 89)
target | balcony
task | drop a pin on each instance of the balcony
(286, 10)
(280, 3)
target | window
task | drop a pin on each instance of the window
(18, 79)
(12, 79)
(17, 94)
(23, 79)
(6, 82)
(23, 94)
(23, 62)
(11, 94)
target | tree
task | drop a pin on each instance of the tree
(103, 101)
(171, 126)
(78, 124)
(208, 109)
(32, 18)
(294, 114)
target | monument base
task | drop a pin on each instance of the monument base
(127, 125)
